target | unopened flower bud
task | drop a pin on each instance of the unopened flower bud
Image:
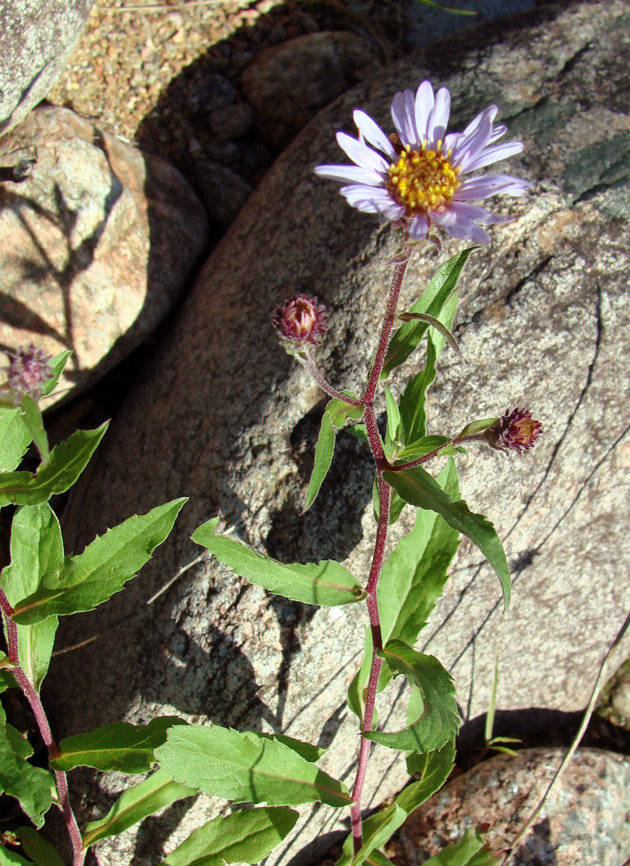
(301, 320)
(515, 431)
(29, 370)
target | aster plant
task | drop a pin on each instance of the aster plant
(419, 177)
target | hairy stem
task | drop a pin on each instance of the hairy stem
(323, 384)
(45, 732)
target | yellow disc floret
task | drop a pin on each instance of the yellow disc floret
(423, 179)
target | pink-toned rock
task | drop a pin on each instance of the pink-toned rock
(585, 819)
(95, 244)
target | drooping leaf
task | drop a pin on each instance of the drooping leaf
(439, 721)
(379, 828)
(66, 463)
(325, 583)
(434, 323)
(32, 786)
(36, 552)
(106, 564)
(38, 849)
(419, 488)
(432, 302)
(243, 837)
(118, 746)
(336, 414)
(14, 438)
(246, 767)
(414, 575)
(470, 850)
(135, 804)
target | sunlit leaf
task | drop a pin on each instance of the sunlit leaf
(243, 837)
(32, 786)
(246, 767)
(470, 850)
(324, 583)
(420, 489)
(106, 564)
(15, 438)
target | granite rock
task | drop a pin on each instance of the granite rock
(585, 819)
(225, 417)
(95, 244)
(36, 39)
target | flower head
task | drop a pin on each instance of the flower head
(300, 320)
(515, 431)
(420, 179)
(29, 370)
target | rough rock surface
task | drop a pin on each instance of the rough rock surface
(288, 83)
(585, 819)
(95, 244)
(36, 38)
(225, 417)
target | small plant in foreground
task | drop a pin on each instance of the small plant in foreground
(419, 177)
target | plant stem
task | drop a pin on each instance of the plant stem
(323, 384)
(45, 732)
(378, 556)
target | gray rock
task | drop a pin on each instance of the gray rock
(585, 819)
(288, 83)
(224, 192)
(232, 121)
(225, 417)
(95, 244)
(36, 39)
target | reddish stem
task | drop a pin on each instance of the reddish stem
(41, 719)
(324, 385)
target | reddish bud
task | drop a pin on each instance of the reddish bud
(301, 320)
(515, 431)
(29, 370)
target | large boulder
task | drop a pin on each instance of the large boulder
(223, 416)
(96, 243)
(36, 38)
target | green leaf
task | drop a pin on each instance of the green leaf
(307, 751)
(379, 828)
(246, 767)
(335, 416)
(40, 851)
(439, 722)
(67, 461)
(15, 438)
(32, 786)
(325, 583)
(356, 691)
(434, 768)
(36, 553)
(412, 410)
(434, 323)
(32, 417)
(377, 858)
(414, 575)
(470, 850)
(477, 427)
(393, 425)
(242, 837)
(432, 302)
(103, 568)
(117, 746)
(11, 858)
(6, 680)
(419, 488)
(57, 365)
(135, 804)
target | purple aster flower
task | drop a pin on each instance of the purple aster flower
(301, 320)
(29, 370)
(420, 179)
(514, 431)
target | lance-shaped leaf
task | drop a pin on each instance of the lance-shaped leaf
(32, 786)
(379, 828)
(336, 414)
(325, 583)
(434, 323)
(431, 302)
(66, 462)
(103, 568)
(439, 721)
(57, 365)
(12, 858)
(32, 417)
(117, 746)
(470, 850)
(36, 551)
(15, 438)
(246, 767)
(242, 837)
(39, 850)
(135, 804)
(477, 427)
(419, 488)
